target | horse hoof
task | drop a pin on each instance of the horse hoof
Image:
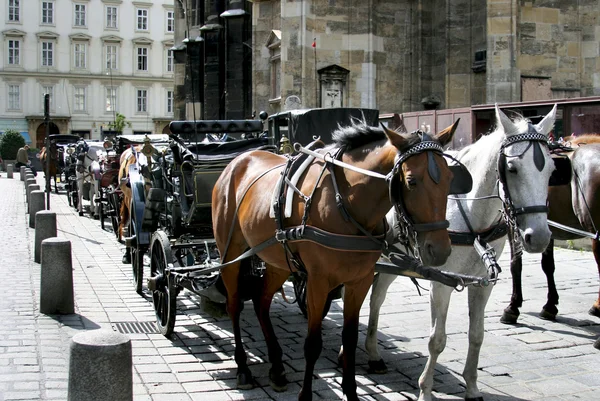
(80, 213)
(96, 217)
(377, 367)
(597, 343)
(509, 317)
(474, 399)
(546, 315)
(244, 381)
(594, 311)
(278, 381)
(126, 258)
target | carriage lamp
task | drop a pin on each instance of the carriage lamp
(108, 145)
(285, 146)
(147, 149)
(70, 150)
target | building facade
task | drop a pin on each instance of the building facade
(95, 58)
(401, 56)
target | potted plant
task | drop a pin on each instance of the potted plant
(10, 143)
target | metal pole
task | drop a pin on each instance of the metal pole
(47, 122)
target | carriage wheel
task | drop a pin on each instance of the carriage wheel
(299, 282)
(113, 202)
(101, 208)
(137, 258)
(164, 297)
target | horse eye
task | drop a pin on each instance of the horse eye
(512, 168)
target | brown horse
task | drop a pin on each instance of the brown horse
(241, 202)
(53, 161)
(576, 205)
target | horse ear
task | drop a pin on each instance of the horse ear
(547, 123)
(509, 127)
(395, 138)
(445, 135)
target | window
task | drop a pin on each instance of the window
(79, 98)
(47, 54)
(111, 99)
(169, 102)
(142, 59)
(111, 57)
(49, 89)
(142, 19)
(142, 101)
(79, 15)
(48, 12)
(274, 46)
(169, 60)
(14, 97)
(79, 55)
(14, 10)
(170, 21)
(14, 54)
(111, 17)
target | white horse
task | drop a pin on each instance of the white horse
(88, 174)
(519, 153)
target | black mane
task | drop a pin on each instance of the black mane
(359, 134)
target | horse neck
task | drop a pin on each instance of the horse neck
(366, 197)
(481, 159)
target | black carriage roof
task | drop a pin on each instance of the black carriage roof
(303, 124)
(187, 128)
(64, 138)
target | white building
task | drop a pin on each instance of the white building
(94, 57)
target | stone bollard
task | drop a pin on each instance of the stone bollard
(9, 171)
(37, 203)
(30, 189)
(28, 182)
(22, 171)
(100, 366)
(45, 227)
(56, 282)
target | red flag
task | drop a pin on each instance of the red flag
(314, 43)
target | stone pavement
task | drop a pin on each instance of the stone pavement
(535, 360)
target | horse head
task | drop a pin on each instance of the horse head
(419, 187)
(524, 169)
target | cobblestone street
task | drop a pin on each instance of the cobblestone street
(534, 360)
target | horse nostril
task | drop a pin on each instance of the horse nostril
(527, 239)
(430, 250)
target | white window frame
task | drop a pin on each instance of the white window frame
(14, 11)
(169, 61)
(49, 89)
(142, 19)
(275, 64)
(170, 21)
(79, 99)
(79, 15)
(44, 53)
(142, 58)
(47, 13)
(141, 106)
(114, 64)
(111, 98)
(170, 101)
(112, 16)
(13, 91)
(80, 57)
(14, 52)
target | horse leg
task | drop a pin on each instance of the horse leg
(478, 298)
(235, 305)
(317, 291)
(511, 313)
(55, 186)
(595, 309)
(549, 310)
(354, 296)
(272, 282)
(439, 300)
(381, 283)
(80, 196)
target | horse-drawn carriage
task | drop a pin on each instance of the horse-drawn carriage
(58, 158)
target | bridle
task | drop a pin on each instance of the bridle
(511, 212)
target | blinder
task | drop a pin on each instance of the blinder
(563, 172)
(462, 182)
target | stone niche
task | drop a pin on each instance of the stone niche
(333, 83)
